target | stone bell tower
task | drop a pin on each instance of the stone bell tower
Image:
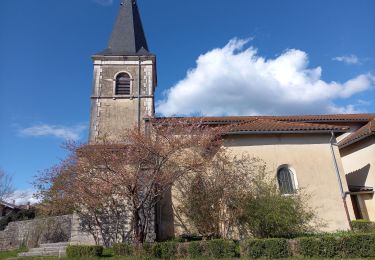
(124, 78)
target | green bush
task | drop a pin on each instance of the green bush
(273, 215)
(270, 248)
(354, 245)
(212, 248)
(358, 245)
(195, 249)
(165, 250)
(147, 249)
(182, 250)
(363, 226)
(84, 251)
(324, 246)
(123, 249)
(220, 248)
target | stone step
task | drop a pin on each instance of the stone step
(34, 254)
(54, 244)
(52, 249)
(47, 249)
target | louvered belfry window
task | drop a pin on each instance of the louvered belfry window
(285, 178)
(122, 84)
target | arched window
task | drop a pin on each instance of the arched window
(286, 180)
(122, 84)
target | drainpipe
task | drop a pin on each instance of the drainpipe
(139, 93)
(343, 194)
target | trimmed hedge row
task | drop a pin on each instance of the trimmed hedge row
(363, 226)
(212, 248)
(351, 245)
(84, 251)
(270, 248)
(356, 245)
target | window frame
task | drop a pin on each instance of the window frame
(293, 177)
(115, 84)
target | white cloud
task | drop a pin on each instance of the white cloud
(67, 133)
(104, 2)
(235, 80)
(348, 59)
(22, 197)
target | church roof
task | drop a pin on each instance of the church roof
(8, 205)
(330, 119)
(128, 37)
(295, 124)
(363, 132)
(273, 126)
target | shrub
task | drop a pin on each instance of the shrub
(363, 226)
(147, 249)
(354, 245)
(165, 250)
(195, 249)
(84, 251)
(325, 246)
(358, 245)
(273, 215)
(123, 249)
(270, 248)
(182, 250)
(219, 248)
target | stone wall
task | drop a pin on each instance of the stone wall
(31, 233)
(112, 114)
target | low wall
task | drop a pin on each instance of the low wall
(31, 233)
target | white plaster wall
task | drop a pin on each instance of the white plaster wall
(310, 157)
(359, 165)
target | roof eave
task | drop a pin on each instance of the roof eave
(360, 138)
(285, 132)
(9, 205)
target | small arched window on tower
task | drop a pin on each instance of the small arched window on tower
(286, 180)
(122, 84)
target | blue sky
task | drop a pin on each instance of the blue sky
(326, 47)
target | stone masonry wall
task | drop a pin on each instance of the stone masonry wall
(31, 233)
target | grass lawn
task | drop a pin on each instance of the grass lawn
(7, 254)
(108, 254)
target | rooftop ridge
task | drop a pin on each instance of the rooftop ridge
(361, 133)
(127, 37)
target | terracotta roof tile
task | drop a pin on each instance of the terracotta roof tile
(268, 125)
(295, 124)
(305, 118)
(363, 132)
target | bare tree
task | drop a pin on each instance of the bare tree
(115, 187)
(205, 202)
(237, 196)
(6, 185)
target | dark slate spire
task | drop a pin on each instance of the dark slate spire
(127, 37)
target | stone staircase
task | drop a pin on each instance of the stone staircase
(56, 249)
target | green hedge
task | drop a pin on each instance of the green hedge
(166, 250)
(363, 226)
(325, 246)
(348, 245)
(123, 249)
(84, 251)
(219, 248)
(270, 248)
(355, 245)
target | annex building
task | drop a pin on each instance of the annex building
(330, 156)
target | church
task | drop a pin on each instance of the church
(330, 156)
